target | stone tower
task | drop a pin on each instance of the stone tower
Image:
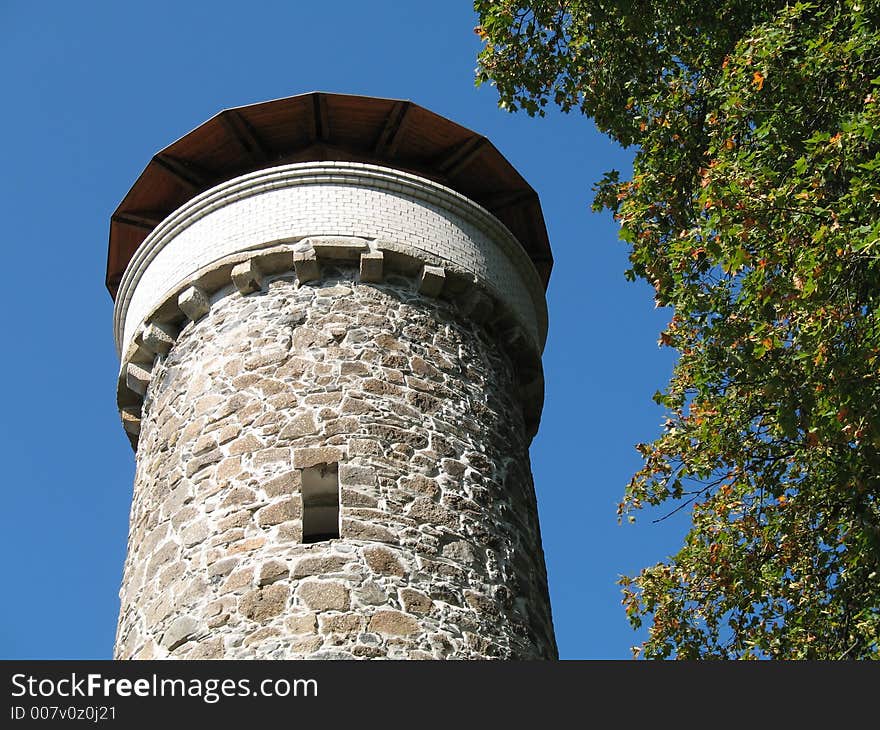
(330, 315)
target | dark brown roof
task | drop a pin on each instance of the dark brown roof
(320, 126)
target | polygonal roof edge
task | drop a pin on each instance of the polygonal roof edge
(327, 126)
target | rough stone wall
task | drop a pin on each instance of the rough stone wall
(439, 554)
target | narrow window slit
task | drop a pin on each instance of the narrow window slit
(320, 503)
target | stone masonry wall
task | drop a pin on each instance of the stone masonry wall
(439, 554)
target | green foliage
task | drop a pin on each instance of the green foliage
(754, 212)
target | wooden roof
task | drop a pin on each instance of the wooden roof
(321, 126)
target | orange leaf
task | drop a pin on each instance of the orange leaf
(758, 80)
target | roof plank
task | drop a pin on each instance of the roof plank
(461, 157)
(395, 124)
(244, 134)
(182, 171)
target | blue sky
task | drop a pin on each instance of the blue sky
(91, 90)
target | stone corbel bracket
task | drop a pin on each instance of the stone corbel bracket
(248, 272)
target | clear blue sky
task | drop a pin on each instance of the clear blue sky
(91, 90)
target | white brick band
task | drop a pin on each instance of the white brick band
(291, 202)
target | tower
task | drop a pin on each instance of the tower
(330, 312)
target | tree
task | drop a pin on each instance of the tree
(754, 212)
